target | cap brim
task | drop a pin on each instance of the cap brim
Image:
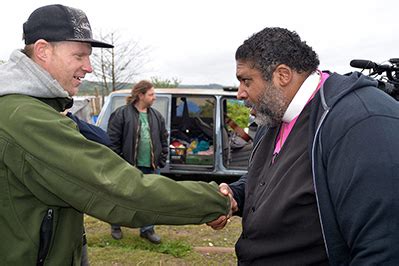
(94, 43)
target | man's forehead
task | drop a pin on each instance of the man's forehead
(241, 66)
(76, 47)
(150, 91)
(245, 67)
(245, 63)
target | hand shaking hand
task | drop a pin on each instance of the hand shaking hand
(221, 222)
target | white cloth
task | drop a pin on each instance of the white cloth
(301, 97)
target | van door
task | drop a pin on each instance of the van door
(236, 134)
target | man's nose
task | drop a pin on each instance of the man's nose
(241, 94)
(87, 67)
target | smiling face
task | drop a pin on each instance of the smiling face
(269, 101)
(68, 63)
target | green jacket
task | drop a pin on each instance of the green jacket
(50, 175)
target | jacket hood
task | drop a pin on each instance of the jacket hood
(333, 90)
(337, 86)
(20, 75)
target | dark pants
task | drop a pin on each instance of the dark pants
(145, 170)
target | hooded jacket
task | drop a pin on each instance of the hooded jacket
(354, 129)
(50, 175)
(353, 147)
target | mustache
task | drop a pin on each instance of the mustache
(250, 105)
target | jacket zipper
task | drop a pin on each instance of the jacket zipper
(317, 143)
(46, 232)
(150, 123)
(254, 149)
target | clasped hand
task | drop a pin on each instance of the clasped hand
(221, 222)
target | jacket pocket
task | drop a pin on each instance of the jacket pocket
(46, 232)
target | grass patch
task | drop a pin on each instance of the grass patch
(176, 247)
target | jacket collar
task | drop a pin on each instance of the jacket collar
(59, 104)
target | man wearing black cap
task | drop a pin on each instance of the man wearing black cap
(50, 174)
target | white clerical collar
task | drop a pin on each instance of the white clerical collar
(301, 97)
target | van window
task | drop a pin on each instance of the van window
(161, 104)
(192, 130)
(236, 133)
(117, 101)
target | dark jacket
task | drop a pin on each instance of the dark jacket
(90, 131)
(238, 187)
(353, 149)
(124, 133)
(354, 128)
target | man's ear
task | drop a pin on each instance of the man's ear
(41, 51)
(283, 75)
(141, 96)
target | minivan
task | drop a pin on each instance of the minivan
(205, 141)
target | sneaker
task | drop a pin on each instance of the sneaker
(151, 236)
(116, 233)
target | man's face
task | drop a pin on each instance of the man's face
(269, 101)
(68, 63)
(148, 98)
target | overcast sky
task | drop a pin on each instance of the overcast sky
(195, 41)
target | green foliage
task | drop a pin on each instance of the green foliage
(165, 83)
(238, 112)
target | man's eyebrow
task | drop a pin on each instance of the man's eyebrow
(243, 77)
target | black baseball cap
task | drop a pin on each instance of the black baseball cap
(55, 23)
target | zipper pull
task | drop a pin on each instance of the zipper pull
(49, 214)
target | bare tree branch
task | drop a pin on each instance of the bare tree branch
(118, 66)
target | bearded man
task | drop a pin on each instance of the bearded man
(322, 182)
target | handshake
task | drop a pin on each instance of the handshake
(221, 222)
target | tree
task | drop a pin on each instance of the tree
(116, 68)
(239, 112)
(165, 83)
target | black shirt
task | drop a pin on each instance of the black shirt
(280, 219)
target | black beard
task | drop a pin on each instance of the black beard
(271, 106)
(248, 104)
